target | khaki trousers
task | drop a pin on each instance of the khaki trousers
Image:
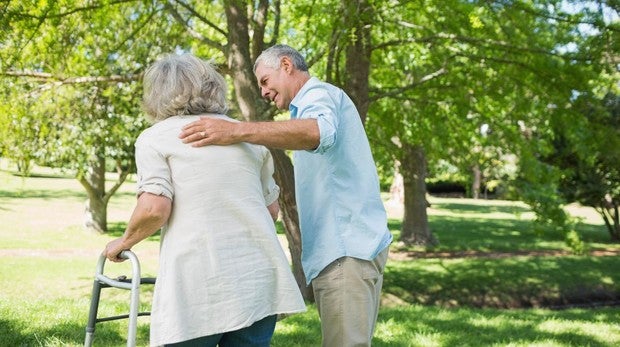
(348, 294)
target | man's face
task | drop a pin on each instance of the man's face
(274, 85)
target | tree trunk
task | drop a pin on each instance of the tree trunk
(240, 64)
(253, 108)
(476, 181)
(288, 206)
(358, 19)
(610, 211)
(95, 212)
(397, 190)
(415, 220)
(94, 182)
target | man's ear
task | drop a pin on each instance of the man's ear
(286, 64)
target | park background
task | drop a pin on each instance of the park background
(511, 106)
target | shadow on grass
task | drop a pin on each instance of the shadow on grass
(419, 326)
(67, 333)
(490, 234)
(43, 175)
(594, 233)
(42, 194)
(479, 234)
(11, 332)
(48, 194)
(517, 282)
(467, 207)
(472, 234)
(415, 325)
(300, 330)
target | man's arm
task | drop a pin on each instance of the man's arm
(151, 212)
(297, 134)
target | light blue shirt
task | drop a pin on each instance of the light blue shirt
(336, 185)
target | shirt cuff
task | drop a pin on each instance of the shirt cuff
(155, 189)
(327, 133)
(272, 196)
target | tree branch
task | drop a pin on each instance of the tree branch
(390, 92)
(459, 38)
(276, 27)
(15, 14)
(568, 18)
(201, 17)
(55, 81)
(135, 31)
(177, 16)
(43, 76)
(259, 22)
(122, 176)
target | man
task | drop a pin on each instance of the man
(343, 223)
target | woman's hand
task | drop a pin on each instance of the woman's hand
(113, 250)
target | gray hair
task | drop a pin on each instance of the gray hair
(272, 55)
(182, 85)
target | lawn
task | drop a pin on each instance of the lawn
(494, 294)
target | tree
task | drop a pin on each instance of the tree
(216, 30)
(425, 76)
(590, 74)
(76, 67)
(464, 65)
(589, 159)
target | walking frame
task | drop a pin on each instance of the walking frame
(133, 284)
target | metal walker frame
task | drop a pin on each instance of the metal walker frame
(133, 284)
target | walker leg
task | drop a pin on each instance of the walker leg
(92, 315)
(102, 281)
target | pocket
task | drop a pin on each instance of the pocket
(369, 270)
(374, 268)
(331, 272)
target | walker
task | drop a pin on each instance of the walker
(101, 281)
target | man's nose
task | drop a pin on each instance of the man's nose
(264, 92)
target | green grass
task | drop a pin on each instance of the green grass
(503, 226)
(502, 283)
(47, 264)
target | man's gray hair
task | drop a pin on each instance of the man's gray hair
(272, 55)
(182, 85)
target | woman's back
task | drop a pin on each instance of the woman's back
(220, 256)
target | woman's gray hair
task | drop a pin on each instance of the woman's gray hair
(182, 85)
(272, 55)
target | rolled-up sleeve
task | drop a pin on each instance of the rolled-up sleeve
(318, 104)
(327, 131)
(271, 191)
(153, 171)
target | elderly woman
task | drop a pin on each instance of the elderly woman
(223, 276)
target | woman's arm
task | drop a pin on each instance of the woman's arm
(151, 212)
(274, 210)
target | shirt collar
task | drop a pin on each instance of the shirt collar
(293, 105)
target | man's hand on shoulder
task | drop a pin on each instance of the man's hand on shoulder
(210, 131)
(290, 134)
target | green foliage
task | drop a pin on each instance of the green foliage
(21, 135)
(73, 92)
(574, 241)
(443, 71)
(538, 186)
(585, 149)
